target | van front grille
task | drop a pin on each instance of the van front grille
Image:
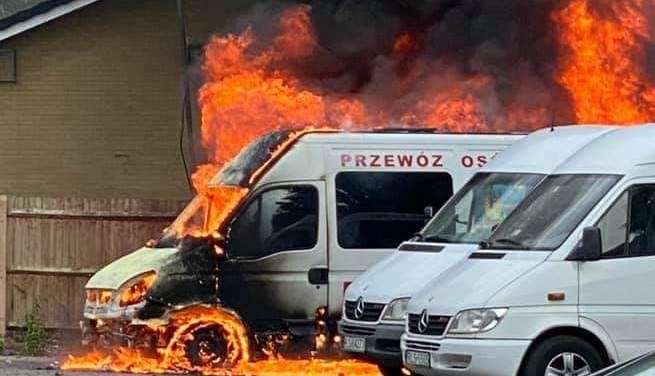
(357, 330)
(371, 311)
(420, 345)
(436, 325)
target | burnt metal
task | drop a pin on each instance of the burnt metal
(248, 161)
(189, 278)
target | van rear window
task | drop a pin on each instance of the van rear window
(380, 210)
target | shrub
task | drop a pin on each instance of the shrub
(35, 338)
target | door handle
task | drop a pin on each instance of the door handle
(318, 276)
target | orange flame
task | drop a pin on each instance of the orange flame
(250, 91)
(128, 360)
(137, 291)
(601, 69)
(404, 44)
(173, 359)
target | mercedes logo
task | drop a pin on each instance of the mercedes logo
(423, 322)
(359, 309)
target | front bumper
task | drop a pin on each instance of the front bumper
(382, 341)
(470, 357)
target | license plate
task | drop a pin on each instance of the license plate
(354, 344)
(94, 310)
(417, 358)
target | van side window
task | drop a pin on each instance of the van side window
(628, 228)
(613, 228)
(276, 220)
(641, 234)
(380, 210)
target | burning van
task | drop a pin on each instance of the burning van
(280, 232)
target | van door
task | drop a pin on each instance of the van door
(276, 249)
(616, 291)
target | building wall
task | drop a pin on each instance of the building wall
(95, 111)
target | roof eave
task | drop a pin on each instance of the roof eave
(42, 18)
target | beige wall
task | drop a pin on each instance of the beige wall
(96, 107)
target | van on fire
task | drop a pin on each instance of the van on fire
(309, 211)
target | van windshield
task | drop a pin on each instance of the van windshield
(481, 205)
(551, 212)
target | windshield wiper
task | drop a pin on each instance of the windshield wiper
(513, 242)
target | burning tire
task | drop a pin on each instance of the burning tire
(207, 347)
(206, 337)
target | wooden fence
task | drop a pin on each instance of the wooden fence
(49, 247)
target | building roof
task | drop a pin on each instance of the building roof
(17, 16)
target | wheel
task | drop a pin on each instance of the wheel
(563, 356)
(203, 337)
(390, 371)
(206, 346)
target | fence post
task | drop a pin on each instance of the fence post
(3, 265)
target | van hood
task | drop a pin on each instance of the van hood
(405, 272)
(114, 275)
(471, 284)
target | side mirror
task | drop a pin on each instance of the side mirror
(590, 247)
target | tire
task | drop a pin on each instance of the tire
(208, 346)
(563, 352)
(390, 371)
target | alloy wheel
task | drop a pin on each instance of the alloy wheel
(568, 364)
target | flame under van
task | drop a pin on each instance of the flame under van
(314, 210)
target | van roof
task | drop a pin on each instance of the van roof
(598, 149)
(618, 151)
(545, 150)
(391, 136)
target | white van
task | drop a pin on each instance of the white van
(375, 304)
(327, 206)
(562, 287)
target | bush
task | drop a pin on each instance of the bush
(35, 338)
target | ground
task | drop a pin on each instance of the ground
(57, 345)
(38, 366)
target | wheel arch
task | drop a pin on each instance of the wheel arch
(575, 331)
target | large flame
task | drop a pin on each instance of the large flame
(251, 90)
(172, 358)
(130, 360)
(604, 56)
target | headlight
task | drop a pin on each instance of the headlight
(396, 310)
(135, 290)
(476, 320)
(98, 296)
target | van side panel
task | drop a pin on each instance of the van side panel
(459, 161)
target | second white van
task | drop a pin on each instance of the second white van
(562, 286)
